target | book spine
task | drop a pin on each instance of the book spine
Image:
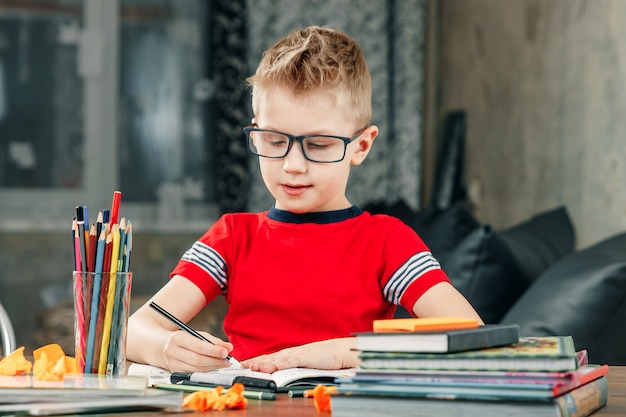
(485, 337)
(585, 400)
(580, 377)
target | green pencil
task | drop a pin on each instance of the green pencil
(296, 392)
(254, 395)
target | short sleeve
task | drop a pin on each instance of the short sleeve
(204, 263)
(410, 267)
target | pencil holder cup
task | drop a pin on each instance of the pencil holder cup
(101, 308)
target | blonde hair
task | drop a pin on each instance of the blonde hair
(317, 59)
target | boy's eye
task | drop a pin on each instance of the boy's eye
(320, 142)
(275, 139)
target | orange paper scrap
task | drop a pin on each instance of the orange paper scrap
(15, 363)
(428, 324)
(51, 364)
(215, 400)
(321, 397)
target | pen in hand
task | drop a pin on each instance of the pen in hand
(188, 329)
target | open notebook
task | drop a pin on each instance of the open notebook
(277, 381)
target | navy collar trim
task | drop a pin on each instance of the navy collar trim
(324, 217)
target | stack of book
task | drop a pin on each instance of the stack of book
(482, 371)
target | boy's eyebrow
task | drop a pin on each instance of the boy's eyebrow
(317, 132)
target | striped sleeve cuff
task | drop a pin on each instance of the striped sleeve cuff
(413, 269)
(209, 261)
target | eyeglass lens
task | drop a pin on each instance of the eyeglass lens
(315, 148)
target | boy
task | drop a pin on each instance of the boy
(305, 275)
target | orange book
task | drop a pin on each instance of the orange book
(428, 324)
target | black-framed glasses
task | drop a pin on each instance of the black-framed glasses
(316, 148)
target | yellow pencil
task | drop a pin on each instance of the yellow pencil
(108, 315)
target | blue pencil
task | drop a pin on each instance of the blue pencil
(86, 216)
(93, 319)
(106, 214)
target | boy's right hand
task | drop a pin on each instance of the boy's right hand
(186, 353)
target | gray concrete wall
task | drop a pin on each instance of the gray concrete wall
(544, 87)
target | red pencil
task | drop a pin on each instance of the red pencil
(79, 301)
(76, 236)
(91, 249)
(115, 207)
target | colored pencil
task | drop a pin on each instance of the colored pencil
(76, 237)
(118, 324)
(106, 328)
(115, 206)
(118, 299)
(129, 246)
(95, 298)
(122, 230)
(99, 224)
(104, 285)
(125, 299)
(76, 258)
(91, 248)
(80, 223)
(79, 301)
(89, 277)
(106, 216)
(86, 223)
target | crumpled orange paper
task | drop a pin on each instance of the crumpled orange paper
(215, 400)
(51, 364)
(15, 363)
(321, 397)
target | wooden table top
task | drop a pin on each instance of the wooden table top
(285, 406)
(616, 405)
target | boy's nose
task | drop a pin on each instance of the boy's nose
(294, 160)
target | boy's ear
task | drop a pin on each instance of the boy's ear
(364, 143)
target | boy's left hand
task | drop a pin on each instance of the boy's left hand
(327, 354)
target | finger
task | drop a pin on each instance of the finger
(185, 360)
(188, 352)
(202, 347)
(268, 363)
(217, 341)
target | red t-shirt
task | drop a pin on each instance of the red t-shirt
(293, 279)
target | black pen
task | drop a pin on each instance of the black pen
(188, 329)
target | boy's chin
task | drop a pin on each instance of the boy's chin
(294, 209)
